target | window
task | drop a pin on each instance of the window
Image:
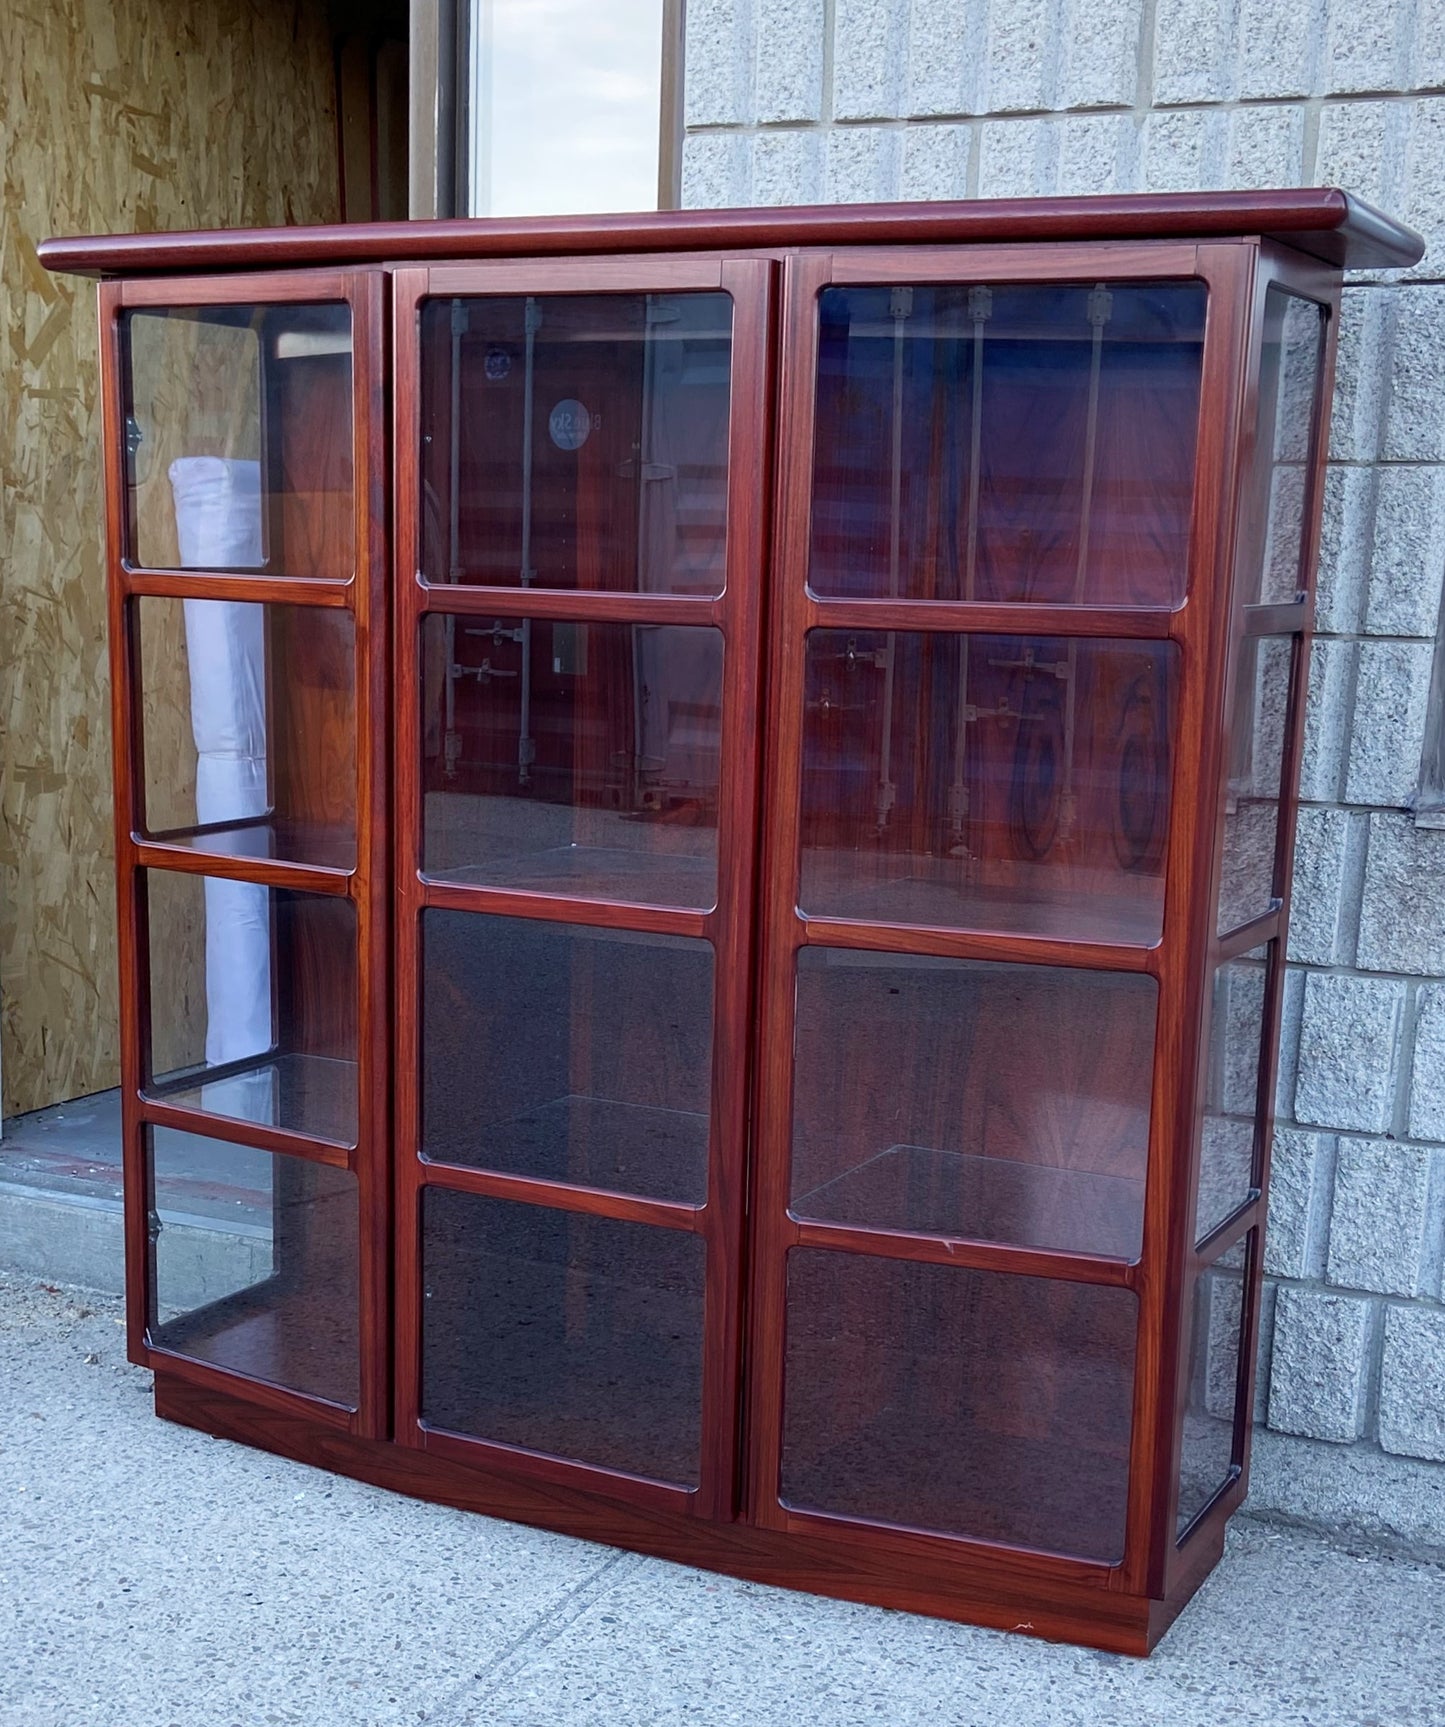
(566, 99)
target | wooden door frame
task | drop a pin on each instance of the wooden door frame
(1196, 625)
(364, 595)
(736, 613)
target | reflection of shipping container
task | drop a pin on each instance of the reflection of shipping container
(591, 454)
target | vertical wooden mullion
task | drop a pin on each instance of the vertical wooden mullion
(369, 598)
(749, 281)
(780, 928)
(127, 768)
(409, 287)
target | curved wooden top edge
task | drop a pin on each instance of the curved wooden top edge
(1327, 223)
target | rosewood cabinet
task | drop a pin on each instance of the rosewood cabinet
(704, 817)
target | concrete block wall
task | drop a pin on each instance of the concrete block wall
(803, 101)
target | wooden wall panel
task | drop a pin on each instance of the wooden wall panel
(114, 115)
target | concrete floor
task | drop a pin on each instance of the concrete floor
(152, 1577)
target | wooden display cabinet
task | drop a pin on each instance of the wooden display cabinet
(704, 818)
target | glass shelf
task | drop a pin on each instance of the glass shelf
(567, 1053)
(252, 1003)
(1013, 783)
(579, 759)
(306, 1094)
(1007, 1103)
(249, 729)
(983, 1199)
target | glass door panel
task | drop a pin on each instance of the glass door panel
(999, 1102)
(578, 1337)
(248, 724)
(1214, 1351)
(252, 830)
(254, 1264)
(567, 1053)
(570, 757)
(1013, 783)
(965, 914)
(995, 1407)
(252, 994)
(238, 425)
(576, 441)
(1012, 442)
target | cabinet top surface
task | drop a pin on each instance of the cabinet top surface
(1326, 223)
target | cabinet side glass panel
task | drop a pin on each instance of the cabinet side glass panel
(1258, 724)
(1276, 502)
(249, 728)
(252, 996)
(1214, 1345)
(579, 1337)
(572, 758)
(970, 1403)
(1007, 442)
(254, 1263)
(567, 1053)
(998, 1102)
(576, 441)
(1230, 1128)
(1012, 783)
(238, 428)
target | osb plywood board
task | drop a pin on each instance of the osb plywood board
(114, 115)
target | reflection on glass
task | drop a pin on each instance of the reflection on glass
(576, 441)
(252, 998)
(566, 1053)
(1274, 512)
(249, 728)
(1017, 783)
(1256, 776)
(572, 758)
(967, 1402)
(239, 438)
(1007, 442)
(1000, 1102)
(576, 1336)
(1231, 1089)
(1215, 1346)
(254, 1262)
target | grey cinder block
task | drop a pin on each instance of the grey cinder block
(1349, 1038)
(1317, 1378)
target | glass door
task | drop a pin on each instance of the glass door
(581, 452)
(980, 695)
(247, 582)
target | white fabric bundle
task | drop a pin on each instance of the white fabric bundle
(218, 526)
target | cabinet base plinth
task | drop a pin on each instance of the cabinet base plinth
(1001, 1595)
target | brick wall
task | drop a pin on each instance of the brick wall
(803, 101)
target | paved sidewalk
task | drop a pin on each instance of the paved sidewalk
(152, 1577)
